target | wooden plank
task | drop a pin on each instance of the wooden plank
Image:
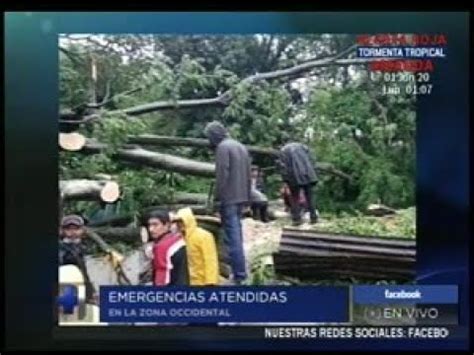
(331, 253)
(349, 266)
(320, 245)
(401, 242)
(343, 274)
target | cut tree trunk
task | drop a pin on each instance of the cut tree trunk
(71, 141)
(198, 210)
(76, 141)
(167, 141)
(137, 155)
(136, 234)
(125, 219)
(115, 221)
(129, 235)
(188, 198)
(156, 160)
(107, 191)
(209, 220)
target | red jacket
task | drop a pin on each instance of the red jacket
(170, 264)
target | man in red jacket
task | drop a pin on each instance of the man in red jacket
(170, 264)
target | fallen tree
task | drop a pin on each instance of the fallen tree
(154, 159)
(125, 219)
(155, 140)
(225, 98)
(182, 200)
(114, 221)
(138, 155)
(132, 235)
(82, 189)
(188, 198)
(128, 235)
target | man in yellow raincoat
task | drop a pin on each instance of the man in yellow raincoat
(201, 248)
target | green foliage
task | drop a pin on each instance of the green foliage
(376, 148)
(261, 273)
(194, 184)
(403, 224)
(366, 135)
(82, 167)
(115, 128)
(261, 109)
(141, 189)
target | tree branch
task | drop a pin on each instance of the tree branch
(108, 99)
(85, 119)
(164, 105)
(72, 57)
(225, 98)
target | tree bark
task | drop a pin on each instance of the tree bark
(167, 162)
(198, 210)
(118, 234)
(150, 139)
(107, 191)
(133, 234)
(183, 165)
(115, 221)
(188, 198)
(154, 159)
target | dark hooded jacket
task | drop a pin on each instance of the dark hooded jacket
(297, 167)
(232, 166)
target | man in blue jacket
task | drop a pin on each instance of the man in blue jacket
(232, 191)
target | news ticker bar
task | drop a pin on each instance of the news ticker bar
(370, 305)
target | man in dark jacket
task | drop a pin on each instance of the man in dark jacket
(297, 170)
(232, 191)
(71, 249)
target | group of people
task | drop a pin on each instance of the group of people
(179, 251)
(182, 253)
(238, 184)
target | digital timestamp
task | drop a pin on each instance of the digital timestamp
(403, 83)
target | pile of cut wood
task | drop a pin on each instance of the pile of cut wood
(313, 255)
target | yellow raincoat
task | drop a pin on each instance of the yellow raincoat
(201, 251)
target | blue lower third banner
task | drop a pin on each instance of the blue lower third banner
(146, 304)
